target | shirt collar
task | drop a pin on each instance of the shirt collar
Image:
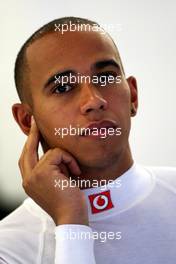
(119, 195)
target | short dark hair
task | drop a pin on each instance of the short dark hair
(21, 71)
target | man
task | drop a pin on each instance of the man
(130, 218)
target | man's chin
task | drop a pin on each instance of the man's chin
(98, 160)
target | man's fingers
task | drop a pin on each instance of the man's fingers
(30, 154)
(58, 156)
(72, 164)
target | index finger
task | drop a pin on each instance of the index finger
(31, 146)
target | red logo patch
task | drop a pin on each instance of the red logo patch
(100, 202)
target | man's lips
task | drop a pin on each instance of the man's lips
(98, 125)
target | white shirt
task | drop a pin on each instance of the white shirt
(131, 221)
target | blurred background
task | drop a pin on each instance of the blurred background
(146, 38)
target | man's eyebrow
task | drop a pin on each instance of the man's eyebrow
(58, 75)
(97, 65)
(104, 63)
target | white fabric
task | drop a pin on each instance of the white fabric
(142, 223)
(69, 252)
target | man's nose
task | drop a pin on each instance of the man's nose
(92, 100)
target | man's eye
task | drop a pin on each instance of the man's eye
(62, 89)
(106, 78)
(106, 75)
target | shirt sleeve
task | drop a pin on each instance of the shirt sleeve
(74, 244)
(2, 261)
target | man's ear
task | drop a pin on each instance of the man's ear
(134, 94)
(22, 115)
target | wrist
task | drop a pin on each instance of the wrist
(79, 217)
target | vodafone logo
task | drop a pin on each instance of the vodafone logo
(100, 202)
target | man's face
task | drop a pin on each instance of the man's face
(82, 103)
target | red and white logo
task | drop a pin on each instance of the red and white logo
(100, 202)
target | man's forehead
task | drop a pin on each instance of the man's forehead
(70, 49)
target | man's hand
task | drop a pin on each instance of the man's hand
(65, 206)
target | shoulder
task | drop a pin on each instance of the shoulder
(25, 217)
(165, 175)
(22, 233)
